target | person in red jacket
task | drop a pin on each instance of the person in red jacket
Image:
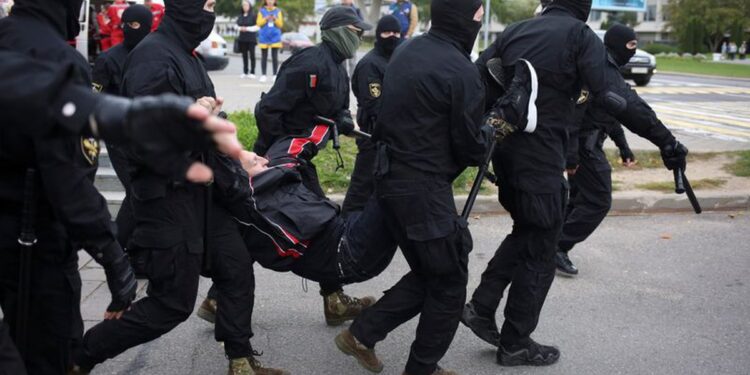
(104, 31)
(115, 20)
(157, 10)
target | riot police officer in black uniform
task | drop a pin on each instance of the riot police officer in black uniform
(107, 77)
(171, 214)
(313, 82)
(589, 172)
(428, 131)
(567, 55)
(48, 160)
(367, 86)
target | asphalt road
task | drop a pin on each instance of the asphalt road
(667, 294)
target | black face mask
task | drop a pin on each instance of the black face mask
(616, 40)
(455, 19)
(61, 15)
(140, 14)
(206, 25)
(195, 24)
(388, 45)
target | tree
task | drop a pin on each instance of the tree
(629, 19)
(295, 11)
(709, 20)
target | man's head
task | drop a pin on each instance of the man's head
(580, 8)
(347, 3)
(62, 15)
(136, 24)
(459, 20)
(388, 34)
(195, 18)
(252, 163)
(342, 29)
(621, 43)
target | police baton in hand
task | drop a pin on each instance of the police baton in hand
(483, 172)
(356, 132)
(682, 185)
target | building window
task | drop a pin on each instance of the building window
(650, 13)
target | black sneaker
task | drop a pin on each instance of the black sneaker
(516, 109)
(484, 327)
(530, 354)
(564, 265)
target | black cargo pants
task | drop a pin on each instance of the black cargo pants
(54, 320)
(10, 360)
(362, 183)
(590, 193)
(525, 258)
(435, 241)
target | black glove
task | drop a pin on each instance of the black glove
(674, 155)
(344, 122)
(157, 128)
(120, 277)
(626, 154)
(502, 128)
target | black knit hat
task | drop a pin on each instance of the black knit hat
(342, 16)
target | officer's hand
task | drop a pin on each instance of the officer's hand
(207, 102)
(674, 155)
(122, 285)
(502, 128)
(628, 158)
(345, 122)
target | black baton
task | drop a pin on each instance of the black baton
(483, 172)
(682, 185)
(26, 241)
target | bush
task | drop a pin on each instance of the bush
(658, 48)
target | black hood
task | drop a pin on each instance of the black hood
(190, 20)
(387, 45)
(454, 19)
(140, 14)
(616, 40)
(62, 15)
(580, 8)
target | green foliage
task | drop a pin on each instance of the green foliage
(682, 65)
(624, 18)
(694, 21)
(657, 48)
(511, 11)
(295, 11)
(741, 167)
(668, 186)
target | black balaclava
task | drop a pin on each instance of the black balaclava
(454, 19)
(387, 45)
(580, 8)
(140, 14)
(616, 40)
(195, 23)
(62, 15)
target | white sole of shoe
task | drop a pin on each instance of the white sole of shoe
(531, 117)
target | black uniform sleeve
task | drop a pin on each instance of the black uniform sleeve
(63, 165)
(100, 74)
(292, 86)
(637, 116)
(615, 132)
(468, 140)
(368, 80)
(43, 94)
(571, 154)
(150, 78)
(592, 61)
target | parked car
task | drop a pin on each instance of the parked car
(641, 66)
(213, 51)
(293, 42)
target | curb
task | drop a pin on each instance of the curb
(623, 203)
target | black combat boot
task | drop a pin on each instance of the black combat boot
(564, 265)
(528, 354)
(483, 326)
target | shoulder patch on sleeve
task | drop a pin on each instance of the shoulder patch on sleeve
(583, 98)
(90, 150)
(375, 89)
(97, 87)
